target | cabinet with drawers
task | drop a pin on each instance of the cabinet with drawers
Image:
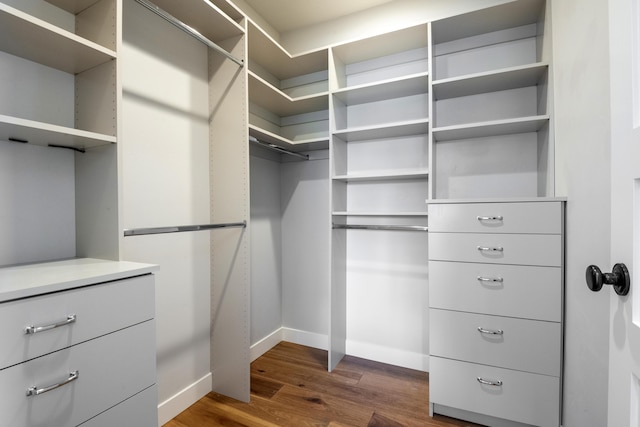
(78, 344)
(496, 310)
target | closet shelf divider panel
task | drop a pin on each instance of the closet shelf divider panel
(39, 41)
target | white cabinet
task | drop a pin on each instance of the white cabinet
(496, 328)
(81, 341)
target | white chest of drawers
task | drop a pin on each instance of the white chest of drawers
(495, 302)
(78, 344)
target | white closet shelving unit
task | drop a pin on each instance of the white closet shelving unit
(491, 117)
(379, 177)
(288, 96)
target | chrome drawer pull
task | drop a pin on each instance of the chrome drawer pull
(490, 279)
(490, 331)
(489, 249)
(490, 218)
(30, 330)
(35, 391)
(497, 383)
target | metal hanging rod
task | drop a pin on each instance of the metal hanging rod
(181, 228)
(381, 227)
(277, 148)
(189, 30)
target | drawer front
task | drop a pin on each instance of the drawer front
(99, 310)
(522, 397)
(526, 345)
(534, 217)
(110, 369)
(521, 249)
(503, 290)
(140, 410)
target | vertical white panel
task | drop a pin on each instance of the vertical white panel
(165, 181)
(635, 61)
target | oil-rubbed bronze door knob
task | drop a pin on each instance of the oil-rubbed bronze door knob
(619, 278)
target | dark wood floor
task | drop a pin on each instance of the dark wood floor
(290, 386)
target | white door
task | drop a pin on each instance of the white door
(624, 341)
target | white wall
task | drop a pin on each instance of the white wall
(266, 247)
(165, 181)
(582, 129)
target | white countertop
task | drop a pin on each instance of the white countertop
(29, 280)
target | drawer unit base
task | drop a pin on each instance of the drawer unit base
(474, 417)
(523, 397)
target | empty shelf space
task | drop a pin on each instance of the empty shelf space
(267, 96)
(72, 6)
(383, 175)
(381, 214)
(503, 79)
(39, 41)
(413, 127)
(491, 128)
(393, 88)
(294, 145)
(204, 17)
(21, 130)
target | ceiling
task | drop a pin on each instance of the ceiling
(288, 15)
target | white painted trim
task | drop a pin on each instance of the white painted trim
(391, 356)
(266, 344)
(186, 397)
(310, 339)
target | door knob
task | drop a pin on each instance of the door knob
(618, 278)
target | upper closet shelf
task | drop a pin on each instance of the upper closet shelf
(295, 145)
(383, 175)
(203, 16)
(496, 18)
(504, 79)
(414, 84)
(72, 6)
(21, 130)
(271, 56)
(39, 41)
(490, 128)
(273, 99)
(412, 127)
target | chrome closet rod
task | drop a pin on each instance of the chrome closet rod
(181, 228)
(276, 148)
(381, 227)
(187, 29)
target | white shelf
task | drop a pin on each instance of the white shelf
(204, 17)
(412, 127)
(267, 96)
(36, 40)
(39, 133)
(294, 145)
(72, 6)
(490, 128)
(370, 213)
(503, 79)
(509, 15)
(383, 175)
(414, 84)
(269, 54)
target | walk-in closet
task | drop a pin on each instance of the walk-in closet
(383, 184)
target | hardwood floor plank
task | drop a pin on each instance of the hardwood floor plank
(291, 387)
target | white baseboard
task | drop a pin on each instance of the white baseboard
(265, 344)
(391, 356)
(310, 339)
(186, 397)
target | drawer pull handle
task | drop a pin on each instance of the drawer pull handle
(490, 218)
(490, 331)
(490, 279)
(496, 383)
(30, 330)
(35, 391)
(490, 249)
